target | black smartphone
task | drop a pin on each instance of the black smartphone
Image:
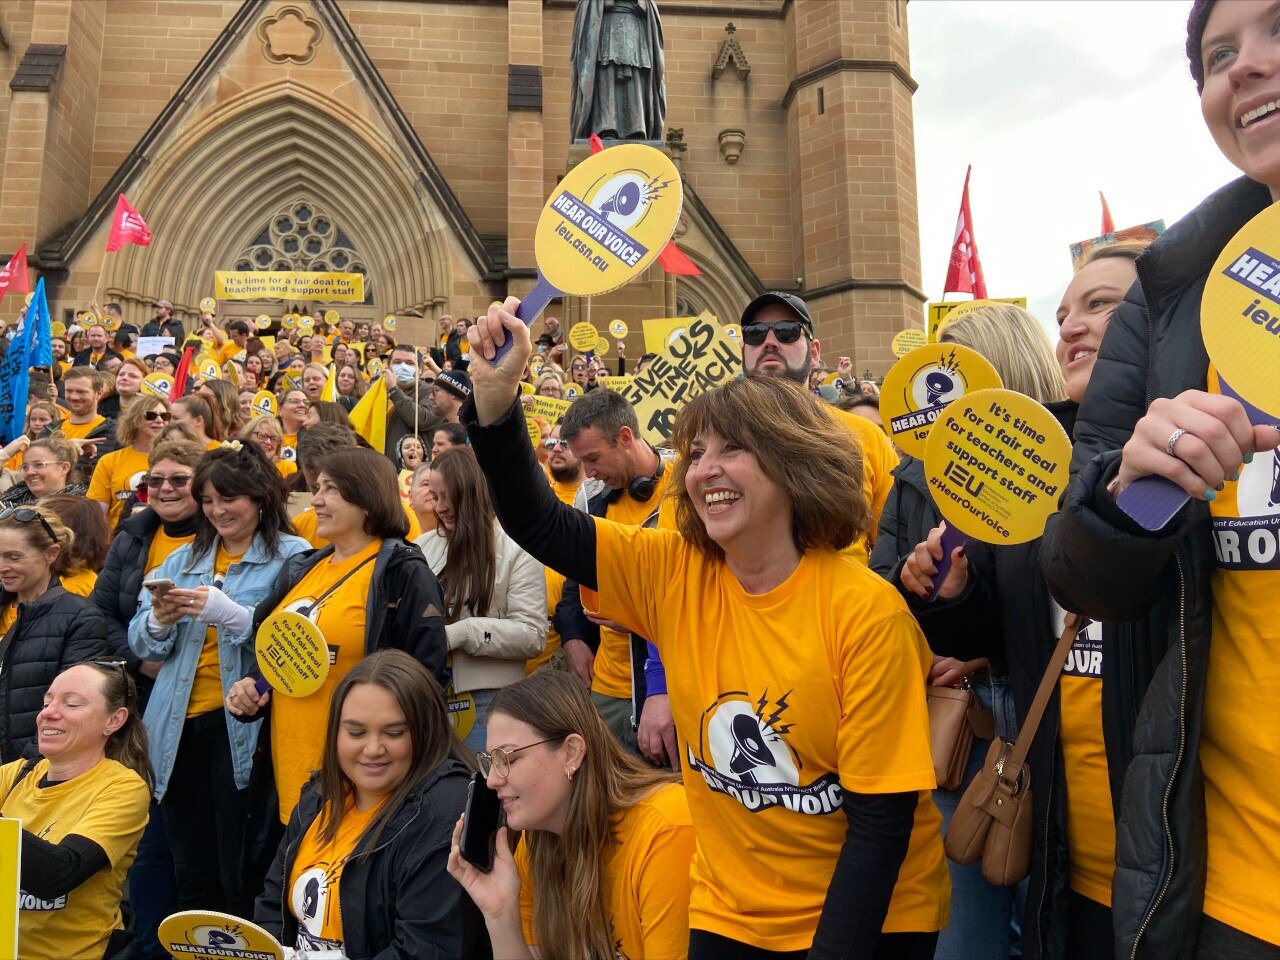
(480, 822)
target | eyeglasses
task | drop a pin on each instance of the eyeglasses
(552, 442)
(26, 515)
(499, 760)
(151, 416)
(41, 464)
(787, 331)
(178, 481)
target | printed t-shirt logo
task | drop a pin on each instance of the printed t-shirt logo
(131, 487)
(743, 752)
(310, 901)
(1085, 657)
(1251, 540)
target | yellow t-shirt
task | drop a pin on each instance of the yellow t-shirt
(1091, 826)
(316, 878)
(289, 447)
(161, 546)
(206, 686)
(287, 468)
(79, 431)
(612, 677)
(878, 459)
(1240, 745)
(783, 701)
(304, 525)
(565, 493)
(295, 748)
(115, 478)
(645, 872)
(228, 350)
(14, 463)
(80, 583)
(107, 805)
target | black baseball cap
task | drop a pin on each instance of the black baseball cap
(788, 300)
(455, 382)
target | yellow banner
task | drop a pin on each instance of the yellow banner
(293, 285)
(549, 409)
(939, 310)
(659, 333)
(700, 358)
(616, 384)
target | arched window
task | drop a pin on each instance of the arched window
(303, 237)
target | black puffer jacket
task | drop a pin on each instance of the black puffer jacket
(50, 634)
(398, 901)
(1101, 564)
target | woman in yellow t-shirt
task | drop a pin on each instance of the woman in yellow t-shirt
(361, 868)
(603, 863)
(79, 567)
(366, 590)
(119, 473)
(266, 433)
(294, 405)
(48, 468)
(83, 806)
(795, 674)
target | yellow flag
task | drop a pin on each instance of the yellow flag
(330, 391)
(369, 418)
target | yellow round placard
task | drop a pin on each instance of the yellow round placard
(535, 430)
(263, 321)
(207, 367)
(462, 711)
(572, 391)
(536, 366)
(292, 654)
(995, 463)
(58, 328)
(331, 317)
(374, 367)
(583, 337)
(208, 305)
(206, 935)
(617, 329)
(264, 403)
(733, 331)
(305, 325)
(389, 323)
(289, 321)
(109, 323)
(526, 387)
(919, 386)
(602, 346)
(157, 385)
(1240, 313)
(608, 219)
(904, 341)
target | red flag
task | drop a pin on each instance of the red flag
(184, 367)
(1108, 225)
(13, 275)
(127, 226)
(672, 257)
(964, 271)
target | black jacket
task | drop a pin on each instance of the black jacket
(119, 585)
(170, 328)
(1155, 587)
(50, 634)
(397, 899)
(403, 612)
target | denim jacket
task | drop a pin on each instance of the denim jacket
(247, 582)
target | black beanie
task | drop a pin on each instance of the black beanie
(1196, 22)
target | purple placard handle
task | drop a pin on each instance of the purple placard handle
(1152, 501)
(533, 304)
(261, 686)
(951, 538)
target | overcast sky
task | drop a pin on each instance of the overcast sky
(1051, 102)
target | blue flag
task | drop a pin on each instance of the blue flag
(31, 346)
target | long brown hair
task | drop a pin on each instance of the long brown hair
(797, 441)
(128, 745)
(469, 572)
(569, 914)
(86, 520)
(431, 736)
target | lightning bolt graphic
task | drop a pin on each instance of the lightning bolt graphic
(764, 698)
(782, 706)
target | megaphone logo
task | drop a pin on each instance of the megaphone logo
(937, 385)
(625, 202)
(749, 749)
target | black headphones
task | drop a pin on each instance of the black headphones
(641, 489)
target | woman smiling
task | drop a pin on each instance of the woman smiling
(119, 473)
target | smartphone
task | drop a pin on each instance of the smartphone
(480, 822)
(158, 587)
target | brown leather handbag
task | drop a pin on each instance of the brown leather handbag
(993, 821)
(955, 718)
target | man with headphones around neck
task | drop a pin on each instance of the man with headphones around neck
(626, 481)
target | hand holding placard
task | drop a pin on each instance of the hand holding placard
(292, 655)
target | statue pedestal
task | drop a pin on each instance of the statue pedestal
(581, 149)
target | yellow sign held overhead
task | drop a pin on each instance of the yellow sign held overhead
(583, 337)
(291, 285)
(208, 304)
(263, 404)
(263, 321)
(617, 329)
(904, 341)
(919, 386)
(940, 311)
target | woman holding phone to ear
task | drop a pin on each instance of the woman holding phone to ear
(361, 868)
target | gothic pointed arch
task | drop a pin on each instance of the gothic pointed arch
(727, 283)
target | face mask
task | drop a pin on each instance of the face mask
(403, 372)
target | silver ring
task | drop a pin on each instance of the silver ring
(1172, 441)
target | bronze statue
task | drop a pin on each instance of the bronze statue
(618, 87)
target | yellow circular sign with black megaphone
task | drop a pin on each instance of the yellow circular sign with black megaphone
(207, 935)
(617, 329)
(263, 403)
(262, 321)
(919, 386)
(157, 385)
(208, 304)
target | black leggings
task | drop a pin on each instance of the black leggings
(892, 946)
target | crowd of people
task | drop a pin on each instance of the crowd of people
(695, 674)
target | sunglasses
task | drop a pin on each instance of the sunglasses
(151, 416)
(26, 515)
(552, 442)
(178, 481)
(788, 331)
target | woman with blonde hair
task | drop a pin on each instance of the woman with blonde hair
(50, 467)
(1017, 346)
(224, 400)
(266, 433)
(119, 473)
(829, 787)
(549, 384)
(602, 868)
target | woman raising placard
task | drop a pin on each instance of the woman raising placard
(807, 764)
(367, 590)
(198, 629)
(362, 865)
(83, 805)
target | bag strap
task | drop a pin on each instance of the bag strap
(1027, 733)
